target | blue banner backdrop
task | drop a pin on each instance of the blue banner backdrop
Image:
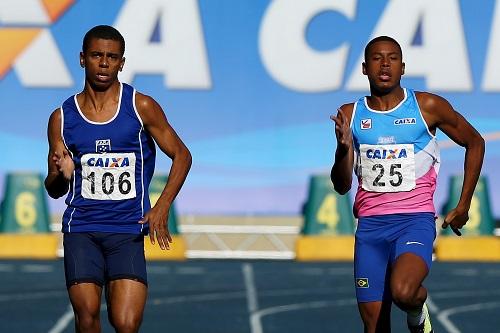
(250, 84)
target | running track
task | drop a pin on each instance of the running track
(250, 297)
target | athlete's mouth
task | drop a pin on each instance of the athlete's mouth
(384, 76)
(102, 76)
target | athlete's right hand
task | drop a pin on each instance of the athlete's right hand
(64, 163)
(157, 218)
(456, 219)
(342, 130)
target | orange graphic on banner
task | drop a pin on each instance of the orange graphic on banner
(13, 41)
(56, 7)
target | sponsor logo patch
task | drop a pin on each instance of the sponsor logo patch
(102, 146)
(405, 121)
(366, 123)
(362, 283)
(386, 154)
(412, 242)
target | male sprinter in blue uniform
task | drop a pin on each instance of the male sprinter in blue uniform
(389, 138)
(102, 149)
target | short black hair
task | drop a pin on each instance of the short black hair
(103, 32)
(382, 39)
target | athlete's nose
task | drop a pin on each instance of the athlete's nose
(385, 62)
(104, 62)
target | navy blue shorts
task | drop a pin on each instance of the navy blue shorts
(100, 257)
(380, 240)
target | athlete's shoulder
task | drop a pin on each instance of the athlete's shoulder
(347, 109)
(429, 101)
(144, 102)
(55, 116)
(149, 110)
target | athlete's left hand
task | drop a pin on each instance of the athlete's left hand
(157, 218)
(456, 219)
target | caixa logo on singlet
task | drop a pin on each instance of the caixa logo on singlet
(27, 42)
(386, 154)
(405, 121)
(108, 162)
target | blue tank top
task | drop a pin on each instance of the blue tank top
(114, 164)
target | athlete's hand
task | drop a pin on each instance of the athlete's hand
(64, 163)
(157, 218)
(342, 130)
(456, 219)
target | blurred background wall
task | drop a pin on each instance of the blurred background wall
(250, 84)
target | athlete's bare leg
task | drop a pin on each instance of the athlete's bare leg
(376, 316)
(126, 301)
(408, 274)
(86, 301)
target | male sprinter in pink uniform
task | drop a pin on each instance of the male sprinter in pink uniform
(389, 138)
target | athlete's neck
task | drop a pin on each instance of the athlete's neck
(384, 101)
(99, 100)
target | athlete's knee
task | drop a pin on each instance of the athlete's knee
(404, 294)
(87, 322)
(126, 323)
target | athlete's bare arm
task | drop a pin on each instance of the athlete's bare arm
(341, 173)
(60, 163)
(438, 113)
(157, 126)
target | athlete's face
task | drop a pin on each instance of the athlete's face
(102, 61)
(384, 66)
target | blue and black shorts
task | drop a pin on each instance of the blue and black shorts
(99, 257)
(380, 240)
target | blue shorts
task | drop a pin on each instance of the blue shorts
(99, 257)
(379, 241)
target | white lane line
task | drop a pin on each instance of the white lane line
(252, 301)
(464, 293)
(198, 298)
(6, 268)
(431, 305)
(31, 295)
(256, 317)
(158, 269)
(33, 268)
(190, 270)
(450, 327)
(63, 321)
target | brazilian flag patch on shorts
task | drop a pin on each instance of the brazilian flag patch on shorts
(362, 283)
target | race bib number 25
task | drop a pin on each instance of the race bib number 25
(388, 168)
(109, 176)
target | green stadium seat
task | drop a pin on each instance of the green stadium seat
(24, 208)
(481, 221)
(326, 212)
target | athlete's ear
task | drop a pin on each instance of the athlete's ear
(363, 68)
(82, 60)
(122, 63)
(403, 69)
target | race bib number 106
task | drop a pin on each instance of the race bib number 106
(108, 176)
(388, 168)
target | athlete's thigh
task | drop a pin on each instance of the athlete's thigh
(126, 299)
(371, 262)
(83, 259)
(124, 256)
(413, 250)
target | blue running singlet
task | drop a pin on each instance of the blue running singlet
(114, 164)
